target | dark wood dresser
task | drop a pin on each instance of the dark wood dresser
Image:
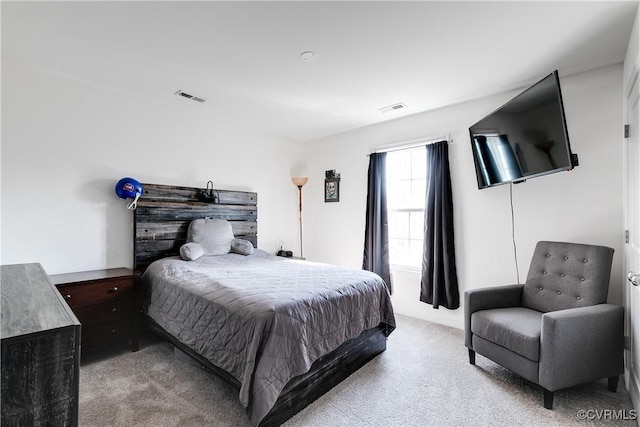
(106, 303)
(40, 351)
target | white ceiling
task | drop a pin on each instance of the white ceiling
(244, 59)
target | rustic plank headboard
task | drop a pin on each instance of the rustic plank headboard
(164, 212)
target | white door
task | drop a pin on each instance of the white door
(632, 248)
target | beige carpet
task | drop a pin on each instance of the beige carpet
(423, 379)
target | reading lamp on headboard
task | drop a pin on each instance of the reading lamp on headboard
(209, 194)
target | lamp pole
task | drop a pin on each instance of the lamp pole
(300, 217)
(299, 182)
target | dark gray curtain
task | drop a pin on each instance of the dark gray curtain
(439, 285)
(376, 240)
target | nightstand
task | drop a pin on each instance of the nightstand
(105, 302)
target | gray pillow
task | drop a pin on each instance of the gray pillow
(214, 235)
(241, 246)
(191, 251)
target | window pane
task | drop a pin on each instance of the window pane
(398, 250)
(393, 167)
(405, 252)
(418, 191)
(398, 194)
(404, 193)
(416, 225)
(418, 163)
(415, 252)
(403, 164)
(398, 224)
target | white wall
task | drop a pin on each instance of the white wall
(584, 205)
(66, 142)
(632, 57)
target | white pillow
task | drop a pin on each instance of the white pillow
(241, 246)
(214, 235)
(191, 251)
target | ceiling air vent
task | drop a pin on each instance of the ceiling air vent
(186, 95)
(394, 107)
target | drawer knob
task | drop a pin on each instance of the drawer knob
(114, 289)
(113, 331)
(67, 296)
(113, 310)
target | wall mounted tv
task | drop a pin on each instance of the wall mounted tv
(527, 137)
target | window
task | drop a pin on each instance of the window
(406, 187)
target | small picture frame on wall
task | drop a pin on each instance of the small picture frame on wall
(332, 190)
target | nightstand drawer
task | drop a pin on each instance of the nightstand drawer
(98, 291)
(109, 312)
(95, 337)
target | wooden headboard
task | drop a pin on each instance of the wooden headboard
(164, 212)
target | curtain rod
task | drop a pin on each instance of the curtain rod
(411, 144)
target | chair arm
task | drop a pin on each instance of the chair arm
(582, 344)
(487, 298)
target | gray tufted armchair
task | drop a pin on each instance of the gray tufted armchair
(556, 330)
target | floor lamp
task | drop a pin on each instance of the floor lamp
(299, 182)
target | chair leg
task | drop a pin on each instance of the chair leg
(548, 398)
(472, 357)
(613, 383)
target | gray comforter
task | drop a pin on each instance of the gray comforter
(264, 319)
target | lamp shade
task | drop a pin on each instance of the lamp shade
(299, 180)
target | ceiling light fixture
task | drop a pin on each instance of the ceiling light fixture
(309, 56)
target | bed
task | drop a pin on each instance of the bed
(282, 331)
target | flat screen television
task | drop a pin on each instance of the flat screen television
(526, 137)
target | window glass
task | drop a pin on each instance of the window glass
(406, 187)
